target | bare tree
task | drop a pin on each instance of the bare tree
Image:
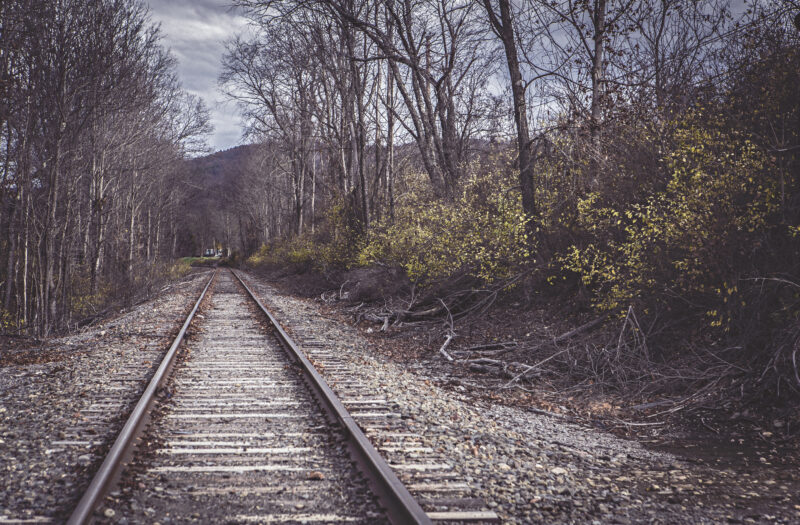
(501, 20)
(85, 84)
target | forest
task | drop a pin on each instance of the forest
(94, 133)
(634, 162)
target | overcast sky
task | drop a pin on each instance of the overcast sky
(195, 32)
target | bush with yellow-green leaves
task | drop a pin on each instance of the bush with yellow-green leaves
(297, 251)
(483, 232)
(8, 323)
(334, 244)
(690, 242)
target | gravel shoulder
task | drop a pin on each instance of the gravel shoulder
(531, 467)
(54, 431)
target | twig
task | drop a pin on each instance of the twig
(631, 424)
(774, 279)
(341, 289)
(624, 325)
(328, 296)
(531, 367)
(638, 332)
(680, 405)
(483, 353)
(451, 333)
(582, 328)
(794, 364)
(413, 296)
(443, 349)
(712, 429)
(490, 346)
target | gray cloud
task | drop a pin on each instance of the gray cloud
(195, 32)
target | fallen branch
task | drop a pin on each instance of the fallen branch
(481, 368)
(631, 424)
(483, 353)
(328, 296)
(487, 361)
(532, 367)
(582, 328)
(645, 406)
(489, 349)
(341, 290)
(443, 349)
(492, 346)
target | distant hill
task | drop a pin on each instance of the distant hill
(211, 184)
(216, 169)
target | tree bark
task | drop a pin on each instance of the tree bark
(49, 297)
(599, 22)
(504, 27)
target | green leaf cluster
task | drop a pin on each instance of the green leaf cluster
(483, 231)
(686, 241)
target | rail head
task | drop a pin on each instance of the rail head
(400, 505)
(114, 460)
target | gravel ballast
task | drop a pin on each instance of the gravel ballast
(58, 418)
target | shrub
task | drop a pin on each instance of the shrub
(8, 323)
(690, 242)
(178, 269)
(482, 231)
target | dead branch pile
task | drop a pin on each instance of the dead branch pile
(457, 299)
(605, 353)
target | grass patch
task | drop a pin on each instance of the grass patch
(200, 261)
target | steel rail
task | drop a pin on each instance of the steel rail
(400, 505)
(112, 465)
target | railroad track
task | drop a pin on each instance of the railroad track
(432, 480)
(246, 430)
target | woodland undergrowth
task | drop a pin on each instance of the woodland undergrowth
(680, 281)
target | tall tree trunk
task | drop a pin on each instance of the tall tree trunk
(599, 22)
(299, 191)
(148, 238)
(157, 241)
(49, 297)
(12, 252)
(63, 261)
(390, 140)
(504, 26)
(26, 258)
(174, 232)
(131, 227)
(313, 190)
(96, 222)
